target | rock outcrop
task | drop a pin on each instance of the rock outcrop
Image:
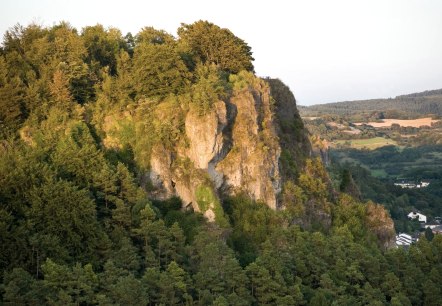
(234, 147)
(252, 164)
(380, 224)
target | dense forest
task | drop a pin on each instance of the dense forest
(410, 164)
(78, 225)
(400, 107)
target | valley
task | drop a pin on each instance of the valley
(381, 151)
(154, 169)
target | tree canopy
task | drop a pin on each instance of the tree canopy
(80, 114)
(208, 43)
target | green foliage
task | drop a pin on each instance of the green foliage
(67, 285)
(207, 199)
(396, 164)
(429, 102)
(252, 223)
(210, 44)
(80, 119)
(75, 218)
(158, 70)
(153, 36)
(19, 288)
(209, 88)
(11, 102)
(103, 46)
(293, 200)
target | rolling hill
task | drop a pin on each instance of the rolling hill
(415, 104)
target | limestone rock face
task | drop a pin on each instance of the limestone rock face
(205, 135)
(233, 148)
(252, 165)
(160, 174)
(380, 224)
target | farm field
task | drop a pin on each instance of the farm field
(370, 143)
(413, 122)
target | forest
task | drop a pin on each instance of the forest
(375, 173)
(400, 107)
(77, 224)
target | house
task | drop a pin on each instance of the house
(425, 184)
(437, 230)
(403, 239)
(431, 225)
(406, 240)
(412, 185)
(406, 185)
(413, 215)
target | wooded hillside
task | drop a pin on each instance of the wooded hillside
(404, 106)
(81, 113)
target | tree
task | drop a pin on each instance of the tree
(103, 46)
(263, 288)
(66, 52)
(60, 209)
(348, 185)
(158, 70)
(391, 286)
(216, 270)
(153, 36)
(173, 285)
(429, 234)
(208, 89)
(60, 93)
(293, 200)
(125, 255)
(127, 290)
(19, 288)
(11, 102)
(210, 44)
(69, 286)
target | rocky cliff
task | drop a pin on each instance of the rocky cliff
(248, 143)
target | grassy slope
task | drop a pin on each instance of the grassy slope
(370, 143)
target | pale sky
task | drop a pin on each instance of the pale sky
(324, 50)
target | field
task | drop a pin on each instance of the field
(393, 162)
(381, 173)
(413, 123)
(370, 143)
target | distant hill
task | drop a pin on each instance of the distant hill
(422, 103)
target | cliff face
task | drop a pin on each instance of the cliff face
(252, 163)
(381, 225)
(233, 148)
(247, 143)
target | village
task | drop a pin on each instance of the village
(405, 240)
(412, 185)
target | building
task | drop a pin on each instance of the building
(412, 185)
(437, 230)
(403, 239)
(406, 185)
(413, 215)
(431, 225)
(425, 184)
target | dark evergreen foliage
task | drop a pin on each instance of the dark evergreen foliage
(77, 227)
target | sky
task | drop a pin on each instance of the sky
(325, 51)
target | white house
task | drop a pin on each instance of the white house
(403, 239)
(425, 184)
(412, 185)
(431, 225)
(413, 215)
